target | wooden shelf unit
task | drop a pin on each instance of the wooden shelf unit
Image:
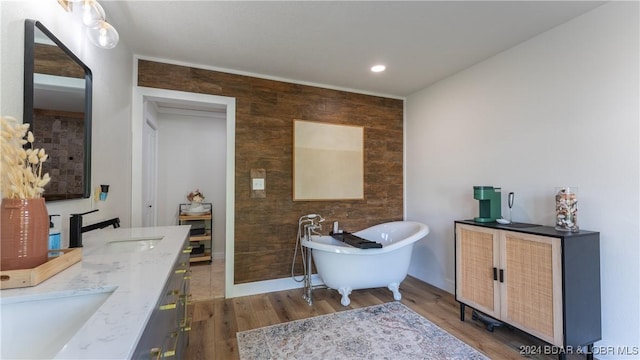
(206, 239)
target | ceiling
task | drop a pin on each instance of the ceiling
(334, 43)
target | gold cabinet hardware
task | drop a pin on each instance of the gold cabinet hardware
(173, 305)
(186, 299)
(172, 352)
(170, 306)
(155, 353)
(187, 250)
(185, 321)
(186, 324)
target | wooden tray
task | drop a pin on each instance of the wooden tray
(11, 279)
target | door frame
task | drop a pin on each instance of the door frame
(150, 121)
(142, 94)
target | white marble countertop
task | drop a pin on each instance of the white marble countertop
(137, 275)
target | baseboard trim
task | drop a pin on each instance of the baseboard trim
(266, 286)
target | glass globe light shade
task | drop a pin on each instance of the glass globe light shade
(91, 12)
(103, 35)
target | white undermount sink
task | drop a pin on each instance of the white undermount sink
(131, 245)
(37, 327)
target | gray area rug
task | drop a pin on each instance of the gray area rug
(387, 331)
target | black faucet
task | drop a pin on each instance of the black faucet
(76, 229)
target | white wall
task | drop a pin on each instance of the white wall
(561, 109)
(192, 155)
(112, 78)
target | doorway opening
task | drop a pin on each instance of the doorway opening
(184, 142)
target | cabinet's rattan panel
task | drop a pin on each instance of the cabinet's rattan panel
(529, 282)
(476, 263)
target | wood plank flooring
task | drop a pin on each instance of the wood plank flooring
(215, 322)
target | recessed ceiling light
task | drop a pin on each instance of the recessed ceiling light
(378, 68)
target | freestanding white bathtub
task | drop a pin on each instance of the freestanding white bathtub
(346, 268)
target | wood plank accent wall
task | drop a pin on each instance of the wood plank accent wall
(52, 60)
(265, 228)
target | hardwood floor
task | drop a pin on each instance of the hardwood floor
(215, 322)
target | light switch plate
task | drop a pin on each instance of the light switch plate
(257, 184)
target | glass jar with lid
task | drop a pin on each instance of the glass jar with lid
(567, 209)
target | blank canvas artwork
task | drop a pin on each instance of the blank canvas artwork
(327, 161)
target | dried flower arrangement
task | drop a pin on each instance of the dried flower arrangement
(20, 169)
(195, 196)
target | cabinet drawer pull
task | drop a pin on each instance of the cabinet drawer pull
(172, 352)
(501, 275)
(168, 306)
(186, 324)
(182, 268)
(187, 250)
(186, 299)
(495, 273)
(155, 353)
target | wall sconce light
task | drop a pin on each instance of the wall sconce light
(92, 12)
(99, 31)
(103, 35)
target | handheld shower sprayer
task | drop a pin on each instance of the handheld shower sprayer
(307, 226)
(313, 217)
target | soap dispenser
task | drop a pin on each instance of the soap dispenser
(54, 234)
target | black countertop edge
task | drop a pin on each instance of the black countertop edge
(532, 229)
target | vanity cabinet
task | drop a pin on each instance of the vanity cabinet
(201, 230)
(539, 280)
(167, 332)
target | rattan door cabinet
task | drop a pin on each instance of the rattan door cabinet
(542, 281)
